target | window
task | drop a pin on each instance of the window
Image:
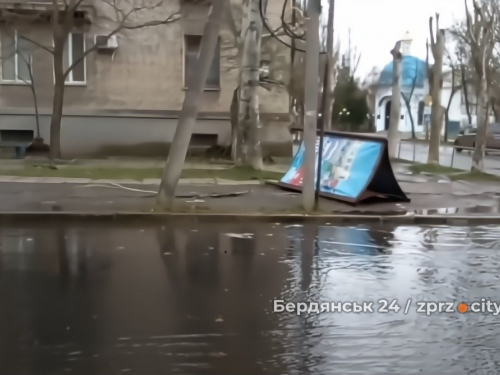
(16, 58)
(191, 49)
(73, 51)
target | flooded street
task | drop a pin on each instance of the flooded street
(104, 298)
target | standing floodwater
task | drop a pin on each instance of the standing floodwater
(198, 299)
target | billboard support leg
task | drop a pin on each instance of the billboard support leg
(320, 161)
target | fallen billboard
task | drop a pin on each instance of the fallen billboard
(354, 168)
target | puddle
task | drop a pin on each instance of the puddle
(68, 299)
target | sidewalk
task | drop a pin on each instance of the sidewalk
(428, 196)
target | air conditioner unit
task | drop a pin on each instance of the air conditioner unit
(104, 43)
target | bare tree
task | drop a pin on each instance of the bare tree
(456, 85)
(63, 21)
(38, 142)
(248, 146)
(274, 74)
(330, 70)
(436, 86)
(25, 57)
(493, 74)
(407, 99)
(464, 81)
(190, 107)
(480, 30)
(393, 133)
(468, 77)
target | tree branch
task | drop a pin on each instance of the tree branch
(45, 48)
(74, 8)
(469, 23)
(172, 18)
(232, 25)
(55, 16)
(431, 28)
(428, 66)
(414, 80)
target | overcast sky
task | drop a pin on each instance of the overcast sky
(376, 25)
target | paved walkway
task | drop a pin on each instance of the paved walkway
(428, 194)
(148, 181)
(428, 197)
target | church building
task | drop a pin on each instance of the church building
(414, 89)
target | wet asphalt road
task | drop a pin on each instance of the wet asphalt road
(104, 298)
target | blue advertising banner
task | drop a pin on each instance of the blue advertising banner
(346, 167)
(353, 167)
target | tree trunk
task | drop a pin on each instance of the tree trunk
(412, 122)
(482, 125)
(190, 107)
(446, 114)
(58, 102)
(249, 151)
(446, 124)
(37, 115)
(234, 122)
(495, 109)
(408, 102)
(35, 99)
(408, 108)
(311, 87)
(436, 127)
(393, 133)
(466, 95)
(437, 48)
(329, 70)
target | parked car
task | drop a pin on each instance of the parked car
(467, 137)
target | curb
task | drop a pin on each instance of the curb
(49, 217)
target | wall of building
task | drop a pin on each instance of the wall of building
(145, 73)
(84, 135)
(384, 94)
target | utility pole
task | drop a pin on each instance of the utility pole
(328, 85)
(311, 102)
(329, 79)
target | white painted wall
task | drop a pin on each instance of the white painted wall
(384, 94)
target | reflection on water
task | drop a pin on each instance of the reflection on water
(180, 299)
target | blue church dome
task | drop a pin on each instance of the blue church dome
(410, 67)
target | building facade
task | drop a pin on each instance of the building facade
(415, 88)
(126, 97)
